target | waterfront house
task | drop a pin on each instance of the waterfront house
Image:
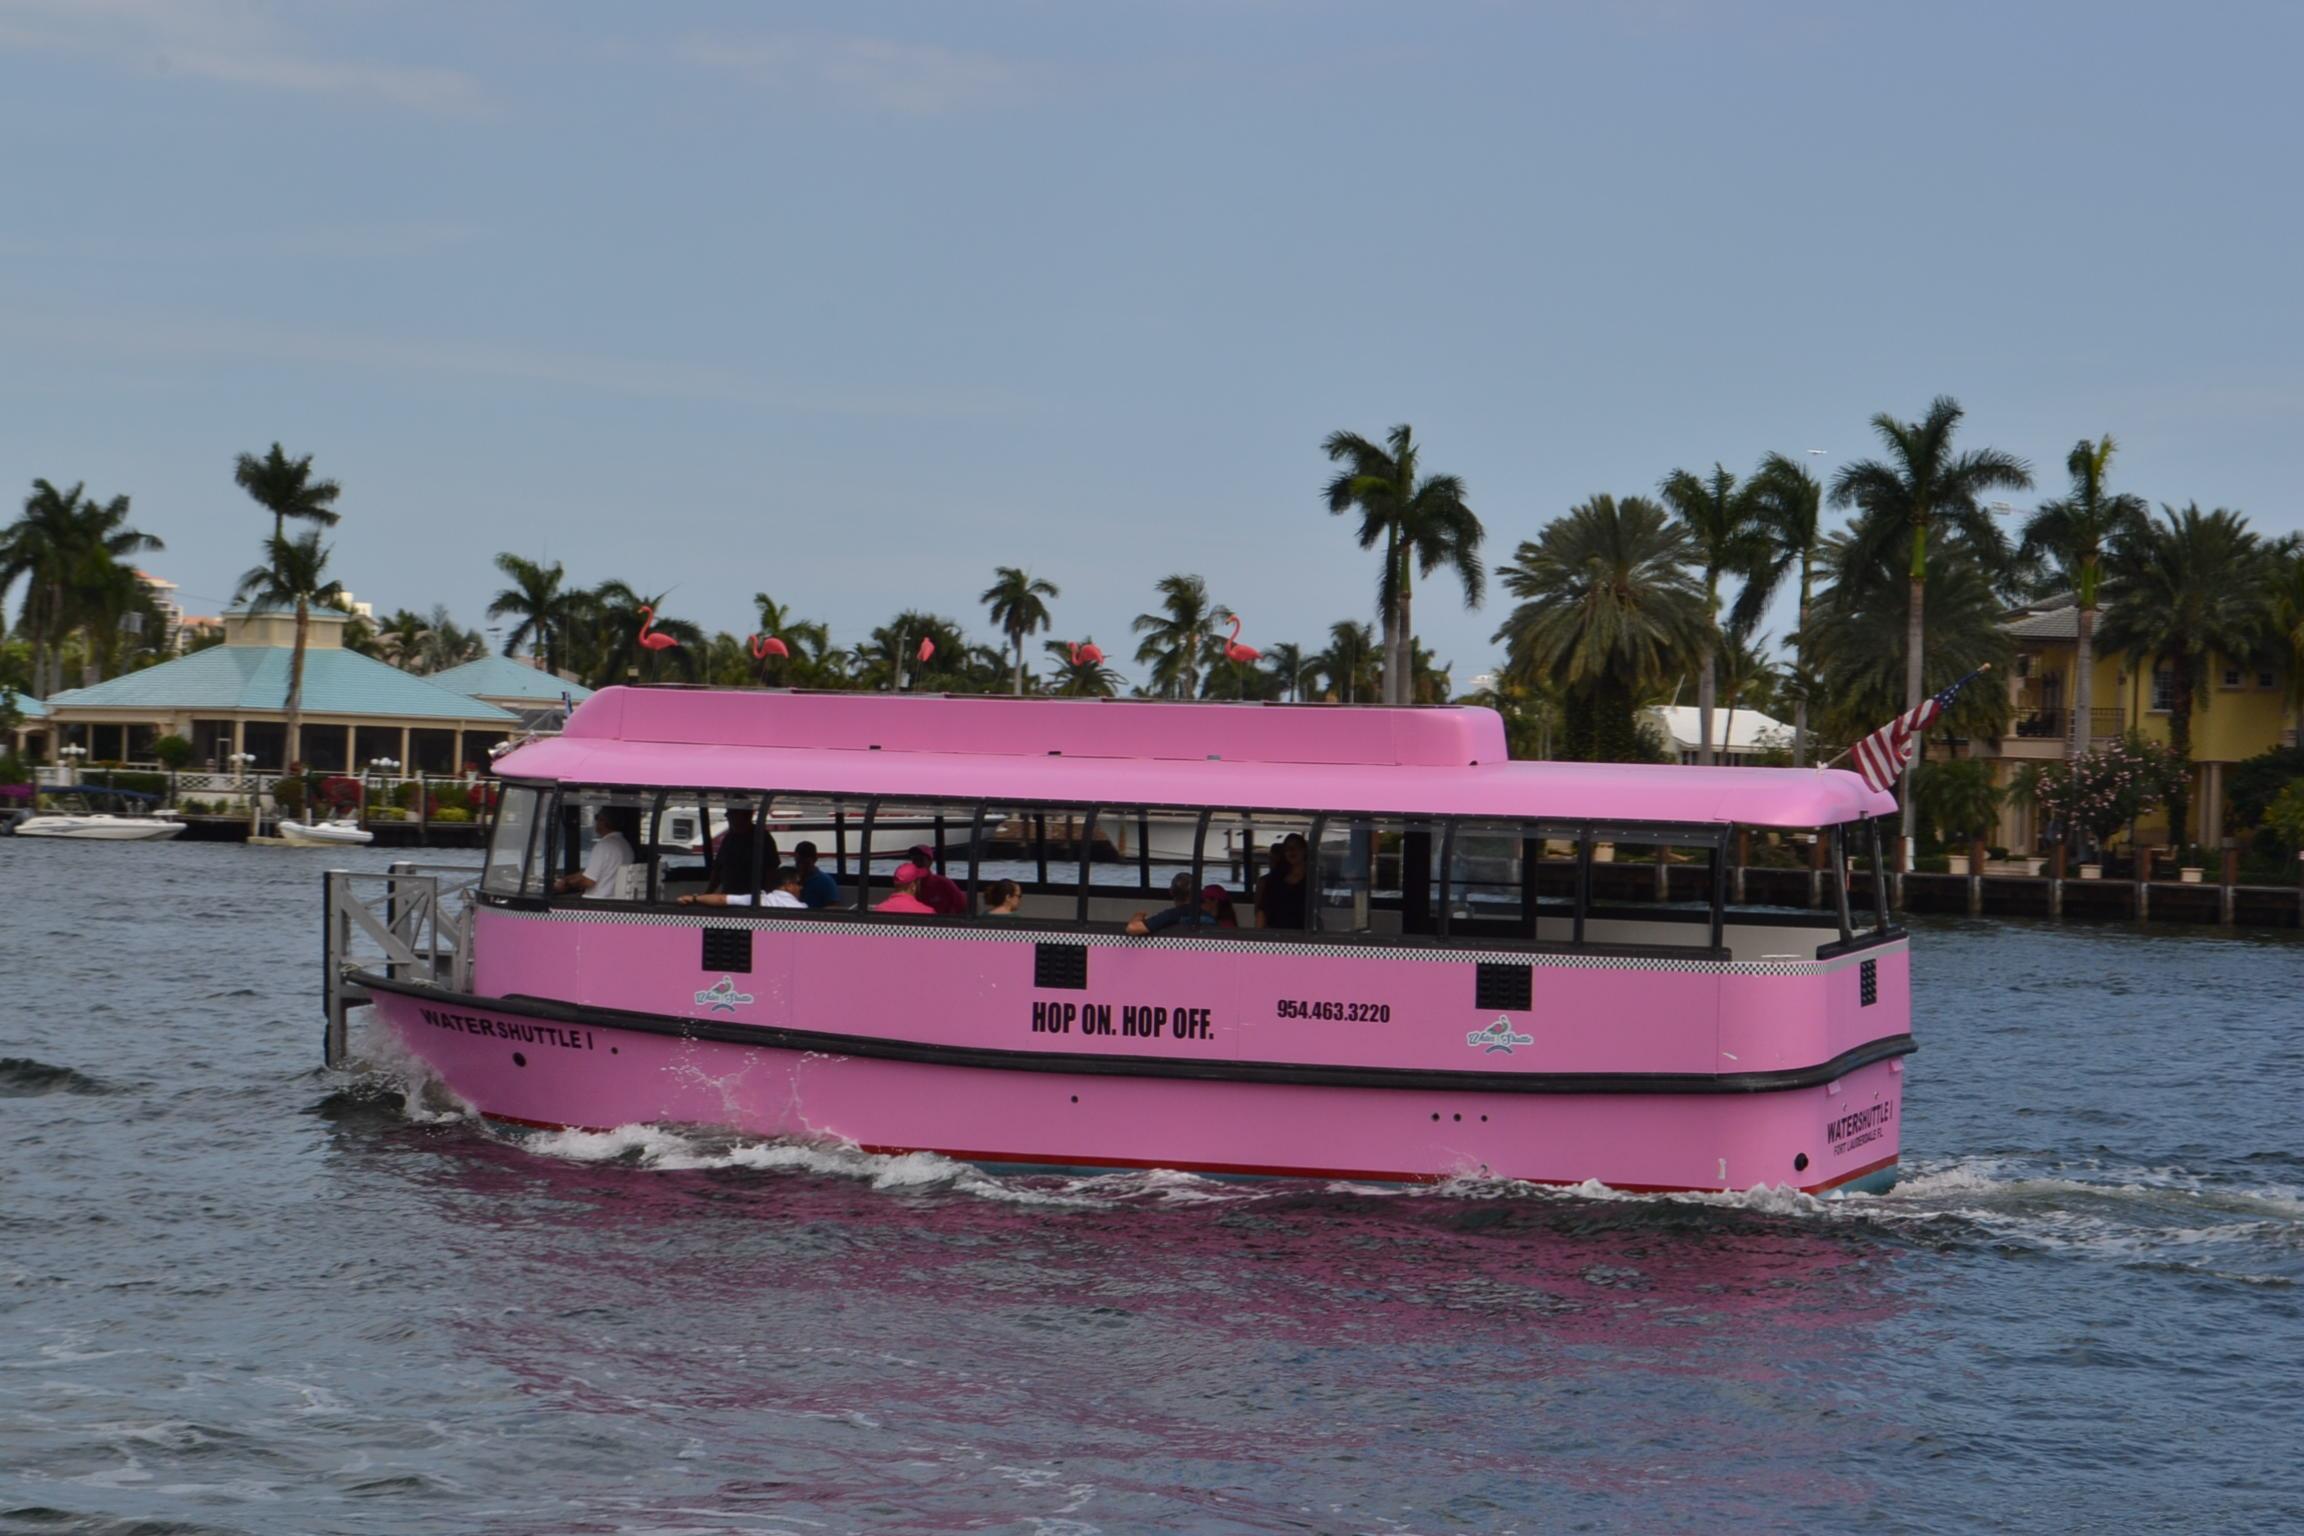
(30, 738)
(2239, 711)
(231, 698)
(1741, 736)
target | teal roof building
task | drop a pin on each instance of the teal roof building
(230, 700)
(513, 684)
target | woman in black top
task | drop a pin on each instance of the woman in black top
(1280, 894)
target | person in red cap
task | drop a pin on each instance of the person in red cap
(942, 895)
(906, 897)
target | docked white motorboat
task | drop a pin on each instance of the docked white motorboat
(72, 816)
(325, 834)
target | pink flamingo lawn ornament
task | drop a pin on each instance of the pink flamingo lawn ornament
(766, 646)
(648, 635)
(1088, 655)
(1234, 651)
(927, 649)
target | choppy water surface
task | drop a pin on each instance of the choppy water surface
(238, 1294)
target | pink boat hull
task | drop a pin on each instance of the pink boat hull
(561, 1073)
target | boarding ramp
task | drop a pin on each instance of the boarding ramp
(412, 922)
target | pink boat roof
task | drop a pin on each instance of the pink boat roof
(1313, 757)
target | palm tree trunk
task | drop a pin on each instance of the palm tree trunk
(1391, 614)
(2180, 737)
(1912, 672)
(1402, 664)
(1707, 694)
(2083, 685)
(1019, 674)
(295, 709)
(1800, 683)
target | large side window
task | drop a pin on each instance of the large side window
(1375, 875)
(515, 865)
(711, 840)
(825, 832)
(599, 844)
(1512, 880)
(1659, 886)
(904, 832)
(1266, 859)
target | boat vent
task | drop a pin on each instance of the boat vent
(1060, 965)
(1871, 983)
(728, 950)
(1502, 986)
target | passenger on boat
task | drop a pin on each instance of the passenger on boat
(1280, 894)
(732, 862)
(817, 887)
(941, 894)
(906, 897)
(1181, 908)
(611, 851)
(1216, 903)
(1002, 898)
(783, 891)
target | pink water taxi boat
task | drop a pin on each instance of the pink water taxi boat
(1459, 964)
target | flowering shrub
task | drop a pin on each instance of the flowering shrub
(340, 793)
(2110, 787)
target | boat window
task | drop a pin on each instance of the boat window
(1656, 885)
(834, 823)
(1243, 847)
(1376, 875)
(943, 828)
(1118, 877)
(1512, 880)
(515, 864)
(1015, 844)
(687, 829)
(574, 834)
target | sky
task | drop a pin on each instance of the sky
(849, 303)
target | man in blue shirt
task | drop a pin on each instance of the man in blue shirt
(817, 887)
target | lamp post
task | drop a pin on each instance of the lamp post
(379, 768)
(72, 754)
(240, 762)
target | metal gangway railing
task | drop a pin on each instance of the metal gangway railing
(412, 922)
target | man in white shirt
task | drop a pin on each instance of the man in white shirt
(783, 891)
(610, 853)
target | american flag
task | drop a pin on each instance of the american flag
(1883, 756)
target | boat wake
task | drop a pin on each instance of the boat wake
(2224, 1225)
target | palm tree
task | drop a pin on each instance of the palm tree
(1080, 678)
(1290, 665)
(1428, 681)
(890, 658)
(1017, 610)
(1722, 526)
(400, 639)
(2288, 625)
(2180, 591)
(2076, 531)
(545, 609)
(297, 578)
(1747, 673)
(68, 549)
(1921, 486)
(1863, 607)
(285, 488)
(619, 654)
(1424, 525)
(808, 641)
(447, 643)
(1350, 668)
(1178, 636)
(1608, 606)
(1788, 507)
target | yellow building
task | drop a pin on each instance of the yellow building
(2238, 712)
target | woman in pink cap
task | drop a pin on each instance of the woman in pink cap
(907, 894)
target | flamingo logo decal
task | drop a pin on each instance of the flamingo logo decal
(648, 635)
(722, 996)
(1498, 1038)
(1234, 651)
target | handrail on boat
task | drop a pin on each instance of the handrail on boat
(412, 922)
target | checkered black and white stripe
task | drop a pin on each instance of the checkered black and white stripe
(719, 917)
